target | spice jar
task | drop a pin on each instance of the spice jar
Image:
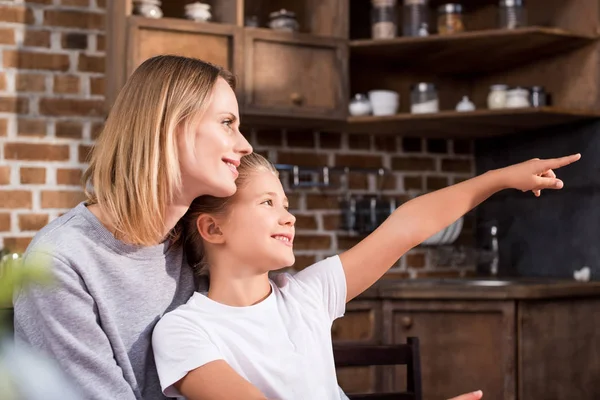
(517, 98)
(283, 20)
(538, 96)
(383, 19)
(512, 14)
(359, 105)
(415, 18)
(450, 19)
(497, 97)
(423, 98)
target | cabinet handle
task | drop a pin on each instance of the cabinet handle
(407, 322)
(297, 98)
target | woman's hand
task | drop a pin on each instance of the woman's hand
(470, 396)
(536, 174)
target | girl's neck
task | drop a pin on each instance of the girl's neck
(235, 290)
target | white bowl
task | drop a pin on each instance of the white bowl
(384, 102)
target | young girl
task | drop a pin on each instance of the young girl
(249, 337)
(172, 135)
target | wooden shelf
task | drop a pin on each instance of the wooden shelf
(469, 52)
(473, 124)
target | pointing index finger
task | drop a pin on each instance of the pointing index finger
(555, 163)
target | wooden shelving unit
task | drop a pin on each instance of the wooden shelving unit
(468, 52)
(474, 124)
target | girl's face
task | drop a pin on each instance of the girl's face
(210, 150)
(258, 229)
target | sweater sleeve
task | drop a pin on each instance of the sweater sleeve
(61, 320)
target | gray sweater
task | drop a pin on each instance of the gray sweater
(97, 320)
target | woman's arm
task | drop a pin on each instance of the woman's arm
(60, 321)
(217, 381)
(418, 219)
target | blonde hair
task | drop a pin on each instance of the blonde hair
(134, 170)
(192, 241)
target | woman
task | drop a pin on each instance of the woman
(171, 136)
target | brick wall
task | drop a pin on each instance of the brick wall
(51, 105)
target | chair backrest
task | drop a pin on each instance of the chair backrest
(358, 355)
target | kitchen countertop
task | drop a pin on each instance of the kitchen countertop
(481, 289)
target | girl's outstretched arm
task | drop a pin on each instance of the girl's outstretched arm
(420, 218)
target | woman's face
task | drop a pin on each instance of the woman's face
(211, 148)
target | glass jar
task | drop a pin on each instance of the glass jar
(283, 20)
(450, 19)
(517, 98)
(538, 96)
(497, 97)
(512, 14)
(383, 19)
(423, 98)
(359, 105)
(415, 18)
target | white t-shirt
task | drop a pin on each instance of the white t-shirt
(282, 345)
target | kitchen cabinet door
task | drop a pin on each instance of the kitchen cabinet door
(464, 346)
(295, 75)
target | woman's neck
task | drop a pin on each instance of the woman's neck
(229, 287)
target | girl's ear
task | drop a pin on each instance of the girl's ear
(209, 229)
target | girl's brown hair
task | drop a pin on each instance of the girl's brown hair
(192, 241)
(134, 168)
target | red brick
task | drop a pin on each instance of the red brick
(71, 107)
(23, 59)
(330, 140)
(302, 159)
(69, 129)
(7, 36)
(101, 3)
(301, 138)
(322, 202)
(4, 222)
(17, 105)
(31, 127)
(413, 183)
(32, 222)
(76, 3)
(66, 84)
(358, 161)
(347, 242)
(303, 261)
(97, 129)
(306, 222)
(84, 153)
(97, 86)
(15, 199)
(3, 127)
(436, 182)
(4, 175)
(37, 38)
(312, 242)
(74, 19)
(32, 175)
(30, 82)
(74, 40)
(17, 244)
(413, 164)
(359, 142)
(385, 143)
(332, 222)
(91, 63)
(61, 198)
(101, 43)
(66, 176)
(269, 137)
(16, 14)
(2, 81)
(451, 165)
(36, 152)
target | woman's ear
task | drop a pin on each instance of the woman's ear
(209, 229)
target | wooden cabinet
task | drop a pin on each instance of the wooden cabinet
(294, 75)
(518, 342)
(464, 346)
(282, 77)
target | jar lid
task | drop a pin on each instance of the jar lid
(415, 2)
(197, 5)
(450, 8)
(282, 13)
(423, 86)
(499, 87)
(537, 88)
(512, 3)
